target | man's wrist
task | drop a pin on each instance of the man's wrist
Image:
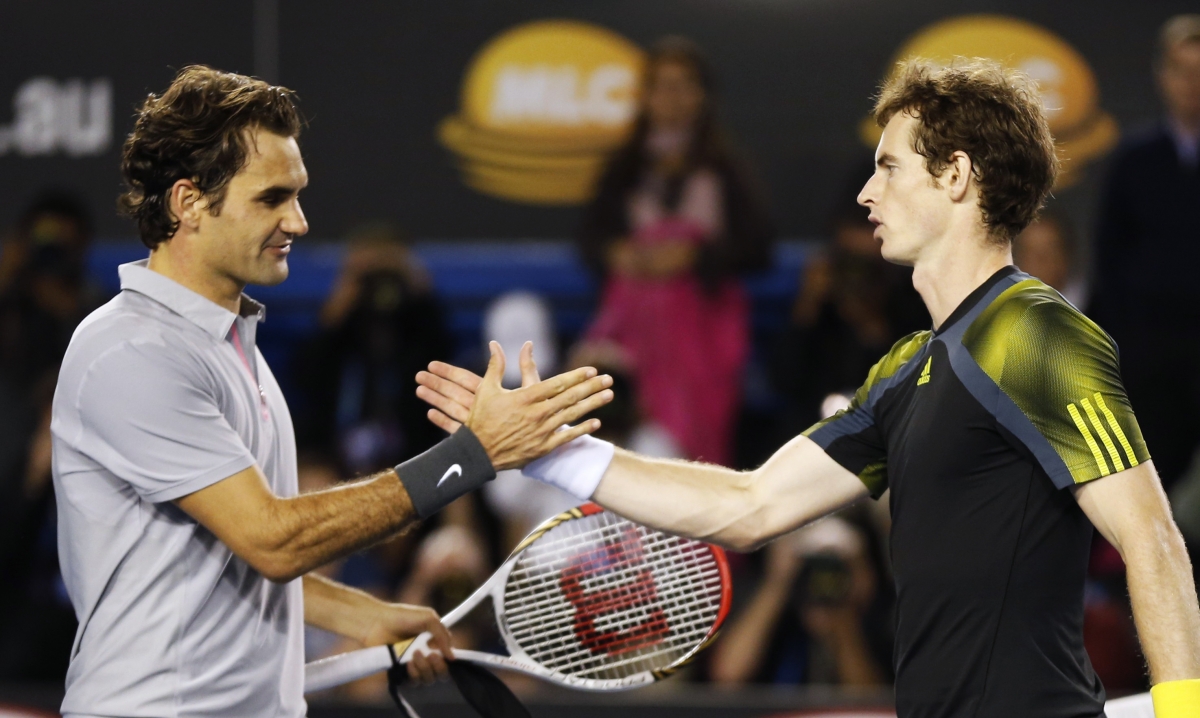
(575, 467)
(457, 465)
(1177, 699)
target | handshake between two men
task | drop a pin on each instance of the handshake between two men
(531, 428)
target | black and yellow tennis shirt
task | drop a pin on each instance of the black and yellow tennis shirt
(977, 428)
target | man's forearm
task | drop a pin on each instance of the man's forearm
(700, 501)
(337, 608)
(1165, 610)
(740, 510)
(310, 530)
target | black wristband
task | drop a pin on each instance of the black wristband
(455, 466)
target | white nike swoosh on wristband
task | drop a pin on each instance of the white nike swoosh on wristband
(454, 469)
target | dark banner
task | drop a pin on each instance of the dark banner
(482, 119)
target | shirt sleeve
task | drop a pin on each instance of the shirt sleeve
(1063, 374)
(147, 416)
(852, 437)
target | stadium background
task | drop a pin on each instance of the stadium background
(376, 80)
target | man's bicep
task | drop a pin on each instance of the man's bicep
(801, 483)
(1126, 506)
(237, 511)
(853, 442)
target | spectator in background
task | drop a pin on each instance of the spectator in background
(817, 616)
(623, 421)
(674, 223)
(514, 318)
(381, 324)
(43, 298)
(851, 307)
(1147, 249)
(1047, 250)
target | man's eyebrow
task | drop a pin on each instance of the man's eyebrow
(277, 191)
(884, 159)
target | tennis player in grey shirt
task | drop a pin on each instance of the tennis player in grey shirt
(184, 544)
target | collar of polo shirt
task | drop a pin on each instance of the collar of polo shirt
(204, 313)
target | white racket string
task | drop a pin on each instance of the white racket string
(689, 624)
(677, 588)
(531, 587)
(639, 600)
(530, 568)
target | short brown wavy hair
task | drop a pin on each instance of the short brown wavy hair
(991, 113)
(196, 130)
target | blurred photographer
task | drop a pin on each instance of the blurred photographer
(851, 307)
(816, 617)
(380, 325)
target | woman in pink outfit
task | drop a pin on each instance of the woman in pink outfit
(674, 223)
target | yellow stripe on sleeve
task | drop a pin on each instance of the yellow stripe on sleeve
(1087, 437)
(1108, 442)
(1112, 422)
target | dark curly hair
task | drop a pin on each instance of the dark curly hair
(991, 113)
(196, 130)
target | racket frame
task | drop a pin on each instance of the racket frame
(335, 670)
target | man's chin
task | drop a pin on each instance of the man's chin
(270, 273)
(891, 253)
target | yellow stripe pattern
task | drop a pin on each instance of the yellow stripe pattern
(1108, 442)
(1087, 437)
(1112, 422)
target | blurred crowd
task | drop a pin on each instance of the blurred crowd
(678, 221)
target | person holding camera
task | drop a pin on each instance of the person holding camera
(380, 325)
(813, 617)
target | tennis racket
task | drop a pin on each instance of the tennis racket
(588, 600)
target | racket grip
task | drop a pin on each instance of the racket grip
(344, 668)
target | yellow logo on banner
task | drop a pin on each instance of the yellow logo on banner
(542, 107)
(1082, 130)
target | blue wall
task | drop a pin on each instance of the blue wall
(467, 275)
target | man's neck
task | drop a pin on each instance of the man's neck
(947, 277)
(174, 261)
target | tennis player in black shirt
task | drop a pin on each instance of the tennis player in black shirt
(1004, 435)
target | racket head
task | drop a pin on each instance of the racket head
(598, 602)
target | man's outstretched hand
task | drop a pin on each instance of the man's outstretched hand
(514, 426)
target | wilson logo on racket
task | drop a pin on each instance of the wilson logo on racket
(623, 560)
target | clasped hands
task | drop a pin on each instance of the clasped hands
(519, 425)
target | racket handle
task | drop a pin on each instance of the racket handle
(346, 667)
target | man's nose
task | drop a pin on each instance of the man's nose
(866, 195)
(295, 223)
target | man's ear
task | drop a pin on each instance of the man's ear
(186, 203)
(958, 175)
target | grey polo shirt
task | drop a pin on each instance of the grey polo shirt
(155, 402)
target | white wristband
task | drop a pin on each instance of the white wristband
(575, 467)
